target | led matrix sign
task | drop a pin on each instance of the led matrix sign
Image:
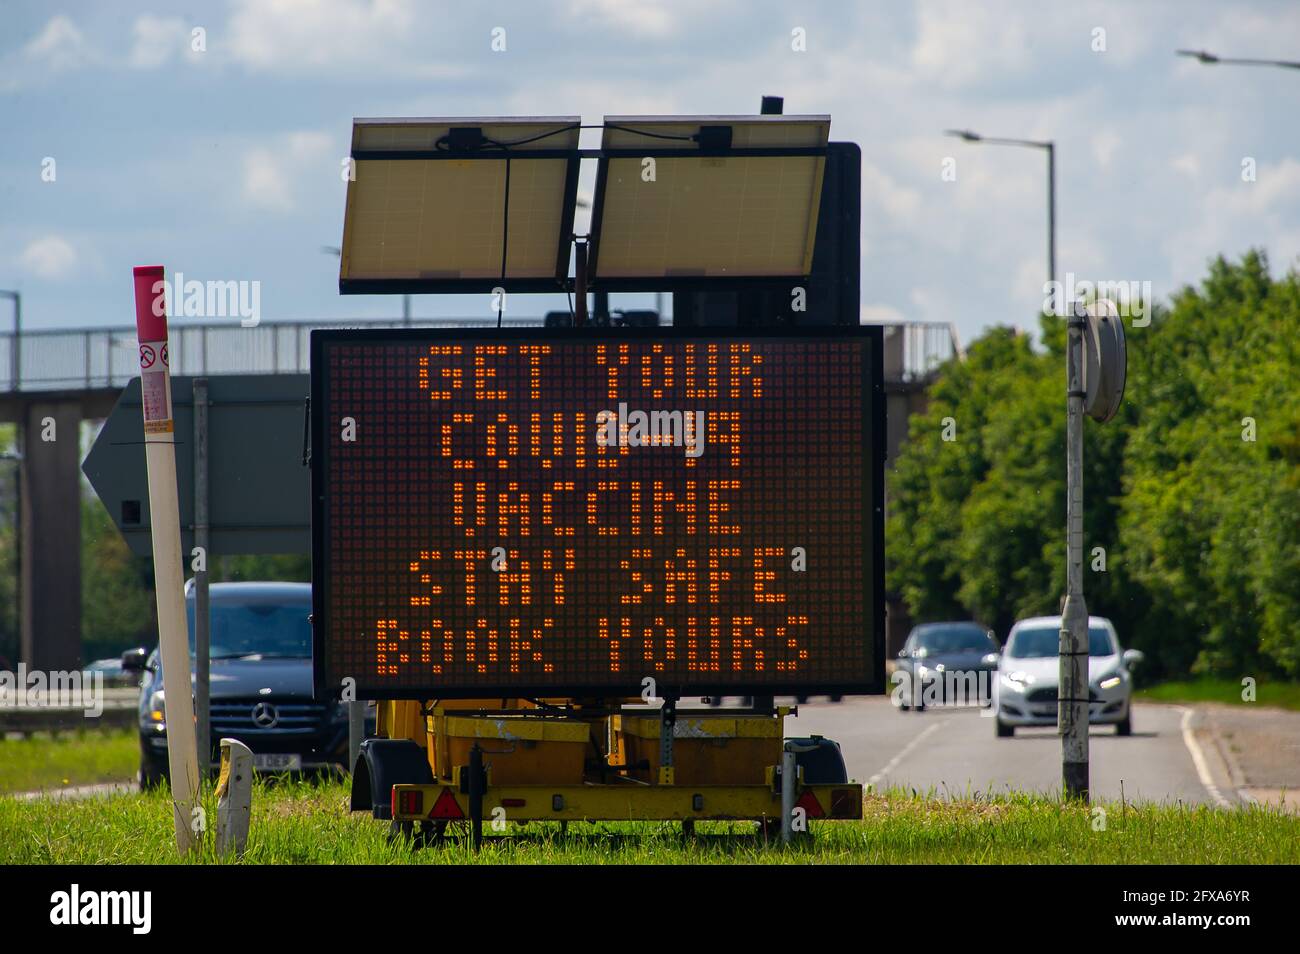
(572, 512)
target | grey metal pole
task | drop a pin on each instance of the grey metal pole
(1051, 217)
(1072, 699)
(356, 731)
(406, 309)
(202, 648)
(789, 769)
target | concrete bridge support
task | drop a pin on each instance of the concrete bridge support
(50, 439)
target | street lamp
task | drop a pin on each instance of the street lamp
(1210, 59)
(967, 136)
(15, 355)
(406, 299)
(1072, 692)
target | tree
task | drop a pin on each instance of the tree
(1192, 493)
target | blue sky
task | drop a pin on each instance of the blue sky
(224, 163)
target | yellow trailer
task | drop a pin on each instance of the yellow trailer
(479, 761)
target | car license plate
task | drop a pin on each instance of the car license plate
(277, 762)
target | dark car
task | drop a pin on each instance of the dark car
(260, 684)
(951, 662)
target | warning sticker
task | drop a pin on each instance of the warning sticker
(155, 388)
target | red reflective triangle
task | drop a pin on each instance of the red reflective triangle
(811, 807)
(446, 806)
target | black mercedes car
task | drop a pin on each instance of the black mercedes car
(260, 684)
(951, 662)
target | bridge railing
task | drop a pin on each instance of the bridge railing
(914, 350)
(89, 358)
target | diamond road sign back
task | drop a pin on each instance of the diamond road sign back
(570, 512)
(259, 490)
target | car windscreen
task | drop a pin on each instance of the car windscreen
(953, 639)
(1038, 642)
(256, 626)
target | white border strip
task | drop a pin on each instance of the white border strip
(893, 763)
(1198, 759)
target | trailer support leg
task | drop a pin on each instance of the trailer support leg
(789, 770)
(476, 786)
(667, 720)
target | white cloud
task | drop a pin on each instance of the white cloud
(1104, 143)
(1239, 215)
(1188, 164)
(296, 35)
(959, 43)
(652, 19)
(50, 257)
(60, 46)
(274, 174)
(158, 41)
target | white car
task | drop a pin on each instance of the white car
(1024, 692)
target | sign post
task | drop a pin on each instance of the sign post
(1096, 371)
(173, 641)
(202, 617)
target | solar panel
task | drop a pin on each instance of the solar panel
(427, 209)
(707, 197)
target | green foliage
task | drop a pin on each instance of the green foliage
(1200, 528)
(117, 607)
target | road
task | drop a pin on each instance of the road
(951, 752)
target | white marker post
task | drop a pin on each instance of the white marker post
(165, 518)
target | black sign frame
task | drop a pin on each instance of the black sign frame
(871, 683)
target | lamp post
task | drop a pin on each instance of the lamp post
(1072, 694)
(15, 355)
(1050, 147)
(1210, 59)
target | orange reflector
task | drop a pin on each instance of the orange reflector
(811, 807)
(446, 806)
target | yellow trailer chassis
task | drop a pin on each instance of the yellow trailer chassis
(560, 761)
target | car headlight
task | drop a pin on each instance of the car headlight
(156, 708)
(1018, 680)
(1110, 682)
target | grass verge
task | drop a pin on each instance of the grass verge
(309, 823)
(1283, 695)
(44, 762)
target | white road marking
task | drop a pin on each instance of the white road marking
(78, 791)
(893, 763)
(1198, 760)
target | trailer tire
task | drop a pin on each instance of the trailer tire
(381, 764)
